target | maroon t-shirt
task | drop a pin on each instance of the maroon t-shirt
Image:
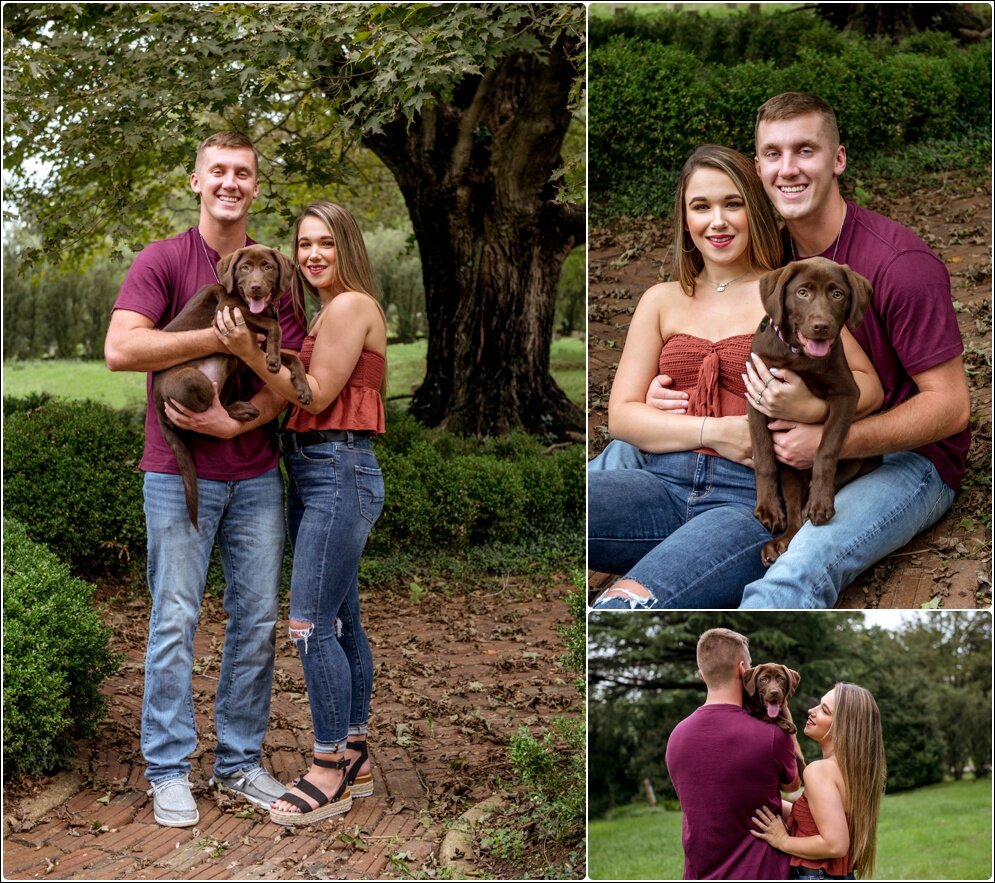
(725, 765)
(910, 325)
(165, 275)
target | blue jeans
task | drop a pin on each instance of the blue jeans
(875, 515)
(682, 526)
(334, 497)
(619, 455)
(247, 518)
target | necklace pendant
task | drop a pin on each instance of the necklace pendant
(721, 287)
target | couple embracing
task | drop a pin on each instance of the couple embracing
(335, 494)
(729, 770)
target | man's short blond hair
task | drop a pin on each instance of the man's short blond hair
(230, 141)
(719, 655)
(788, 105)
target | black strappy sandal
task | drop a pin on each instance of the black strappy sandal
(338, 803)
(359, 785)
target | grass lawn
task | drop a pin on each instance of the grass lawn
(943, 832)
(91, 380)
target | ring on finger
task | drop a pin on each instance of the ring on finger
(769, 379)
(759, 397)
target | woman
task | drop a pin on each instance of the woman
(832, 827)
(335, 495)
(694, 476)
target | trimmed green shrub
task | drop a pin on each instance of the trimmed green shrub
(55, 655)
(446, 494)
(70, 476)
(661, 85)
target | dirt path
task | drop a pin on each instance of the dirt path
(457, 673)
(950, 565)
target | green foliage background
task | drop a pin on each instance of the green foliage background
(662, 84)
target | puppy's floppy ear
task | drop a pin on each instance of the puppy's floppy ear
(860, 296)
(226, 270)
(772, 286)
(750, 680)
(286, 274)
(794, 679)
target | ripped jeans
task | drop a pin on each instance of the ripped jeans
(335, 495)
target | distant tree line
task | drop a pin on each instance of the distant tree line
(932, 682)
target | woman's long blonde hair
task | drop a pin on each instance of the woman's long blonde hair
(858, 746)
(352, 262)
(765, 249)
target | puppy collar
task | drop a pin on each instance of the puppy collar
(768, 321)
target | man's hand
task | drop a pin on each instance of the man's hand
(214, 421)
(796, 443)
(659, 395)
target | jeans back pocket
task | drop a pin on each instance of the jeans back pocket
(369, 486)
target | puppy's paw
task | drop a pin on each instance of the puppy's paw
(304, 395)
(771, 515)
(772, 551)
(273, 365)
(242, 411)
(819, 511)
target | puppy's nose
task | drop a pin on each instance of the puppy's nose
(820, 326)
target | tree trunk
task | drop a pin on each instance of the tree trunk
(475, 174)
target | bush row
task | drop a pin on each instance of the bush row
(71, 476)
(653, 101)
(56, 653)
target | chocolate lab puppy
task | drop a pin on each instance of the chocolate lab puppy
(252, 278)
(766, 691)
(807, 304)
(767, 688)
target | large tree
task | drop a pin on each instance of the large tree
(468, 105)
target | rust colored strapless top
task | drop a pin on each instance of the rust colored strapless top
(801, 823)
(358, 406)
(710, 372)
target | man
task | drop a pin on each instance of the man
(241, 502)
(910, 333)
(725, 764)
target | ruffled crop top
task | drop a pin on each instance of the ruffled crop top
(801, 823)
(358, 406)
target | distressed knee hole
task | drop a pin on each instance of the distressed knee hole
(301, 631)
(632, 592)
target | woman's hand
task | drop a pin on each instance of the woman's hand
(771, 829)
(729, 437)
(781, 394)
(231, 330)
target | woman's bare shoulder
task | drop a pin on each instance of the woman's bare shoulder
(822, 772)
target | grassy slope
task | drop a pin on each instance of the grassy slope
(938, 833)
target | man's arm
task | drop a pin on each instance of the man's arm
(940, 409)
(216, 421)
(133, 343)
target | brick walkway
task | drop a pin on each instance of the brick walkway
(450, 691)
